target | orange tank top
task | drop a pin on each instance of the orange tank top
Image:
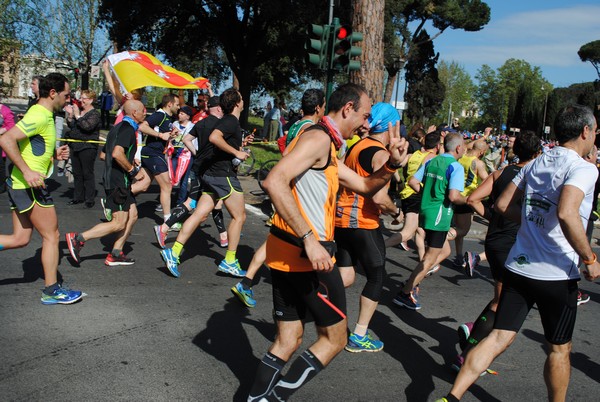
(355, 211)
(315, 193)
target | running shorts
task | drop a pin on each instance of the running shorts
(412, 204)
(155, 164)
(23, 200)
(221, 187)
(119, 199)
(435, 238)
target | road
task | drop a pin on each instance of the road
(142, 335)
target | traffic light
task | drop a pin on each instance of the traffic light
(76, 73)
(343, 50)
(318, 41)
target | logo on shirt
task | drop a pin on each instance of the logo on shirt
(279, 313)
(522, 259)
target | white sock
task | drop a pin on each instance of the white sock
(167, 216)
(361, 330)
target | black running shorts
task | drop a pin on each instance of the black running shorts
(220, 187)
(23, 200)
(321, 294)
(555, 300)
(462, 209)
(435, 238)
(364, 245)
(412, 204)
(119, 199)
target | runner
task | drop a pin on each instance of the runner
(119, 173)
(30, 145)
(303, 188)
(556, 190)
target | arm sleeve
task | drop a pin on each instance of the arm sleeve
(420, 172)
(457, 177)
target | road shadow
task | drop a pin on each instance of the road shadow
(225, 339)
(32, 270)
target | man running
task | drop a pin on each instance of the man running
(303, 188)
(120, 172)
(443, 181)
(30, 145)
(556, 191)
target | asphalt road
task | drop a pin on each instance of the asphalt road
(142, 335)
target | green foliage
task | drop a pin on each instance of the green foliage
(460, 90)
(514, 94)
(591, 52)
(264, 152)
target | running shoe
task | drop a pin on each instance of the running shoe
(176, 227)
(122, 259)
(365, 343)
(457, 365)
(407, 300)
(74, 246)
(158, 208)
(464, 332)
(62, 295)
(224, 242)
(471, 262)
(160, 236)
(415, 290)
(171, 261)
(107, 212)
(245, 295)
(232, 269)
(404, 246)
(432, 271)
(582, 298)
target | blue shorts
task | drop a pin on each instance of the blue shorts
(155, 164)
(23, 200)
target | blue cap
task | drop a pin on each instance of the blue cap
(381, 115)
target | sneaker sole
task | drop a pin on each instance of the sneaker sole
(353, 349)
(52, 302)
(463, 335)
(241, 297)
(114, 264)
(175, 274)
(399, 303)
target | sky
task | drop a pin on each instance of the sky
(545, 33)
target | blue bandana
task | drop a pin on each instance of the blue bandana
(132, 122)
(381, 115)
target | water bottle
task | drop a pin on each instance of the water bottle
(236, 161)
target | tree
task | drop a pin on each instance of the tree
(425, 91)
(591, 52)
(262, 40)
(460, 90)
(369, 19)
(513, 95)
(408, 18)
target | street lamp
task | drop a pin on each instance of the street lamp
(398, 65)
(544, 134)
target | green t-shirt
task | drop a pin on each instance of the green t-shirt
(37, 149)
(436, 209)
(296, 128)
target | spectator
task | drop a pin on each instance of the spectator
(106, 105)
(7, 121)
(84, 125)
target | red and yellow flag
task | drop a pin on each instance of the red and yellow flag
(136, 69)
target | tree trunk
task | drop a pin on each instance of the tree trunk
(389, 87)
(368, 18)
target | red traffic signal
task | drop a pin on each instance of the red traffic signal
(344, 31)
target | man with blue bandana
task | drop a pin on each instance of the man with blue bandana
(30, 145)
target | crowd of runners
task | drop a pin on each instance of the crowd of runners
(329, 198)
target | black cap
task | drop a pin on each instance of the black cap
(187, 110)
(213, 101)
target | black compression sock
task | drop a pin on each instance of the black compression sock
(451, 398)
(304, 368)
(217, 215)
(246, 282)
(50, 289)
(177, 214)
(267, 375)
(481, 328)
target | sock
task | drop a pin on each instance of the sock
(451, 398)
(304, 368)
(481, 328)
(267, 375)
(166, 216)
(230, 256)
(360, 330)
(217, 215)
(246, 282)
(115, 252)
(50, 289)
(80, 238)
(177, 215)
(177, 249)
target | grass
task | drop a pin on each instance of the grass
(263, 152)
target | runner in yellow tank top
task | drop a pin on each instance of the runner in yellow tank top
(475, 173)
